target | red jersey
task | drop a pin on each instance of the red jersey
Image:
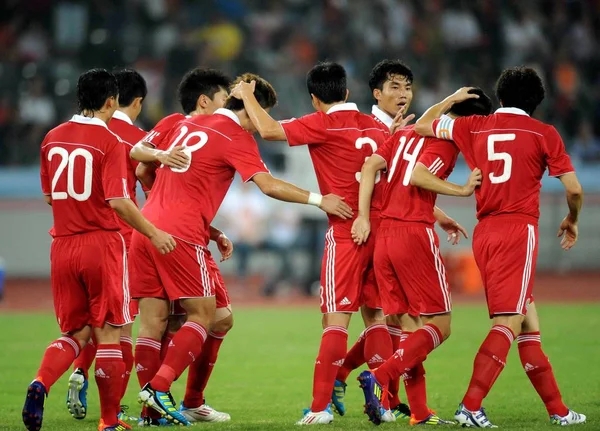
(184, 202)
(381, 116)
(339, 142)
(512, 150)
(401, 152)
(158, 134)
(82, 167)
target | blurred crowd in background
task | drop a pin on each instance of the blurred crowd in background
(46, 44)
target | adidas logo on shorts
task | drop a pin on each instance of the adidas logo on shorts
(345, 301)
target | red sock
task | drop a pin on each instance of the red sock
(110, 369)
(538, 369)
(354, 358)
(412, 352)
(86, 358)
(200, 370)
(394, 387)
(57, 359)
(164, 344)
(147, 362)
(416, 392)
(185, 347)
(489, 363)
(331, 356)
(127, 350)
(378, 345)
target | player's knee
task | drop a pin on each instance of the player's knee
(175, 323)
(223, 326)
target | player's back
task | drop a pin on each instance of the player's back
(185, 201)
(83, 166)
(339, 143)
(401, 200)
(159, 133)
(512, 150)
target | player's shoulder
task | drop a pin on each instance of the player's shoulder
(170, 120)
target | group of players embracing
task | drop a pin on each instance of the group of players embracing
(378, 178)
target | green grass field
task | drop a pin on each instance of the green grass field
(264, 374)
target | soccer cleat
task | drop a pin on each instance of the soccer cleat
(77, 394)
(33, 410)
(124, 416)
(373, 393)
(387, 416)
(401, 411)
(147, 421)
(432, 419)
(163, 403)
(316, 418)
(337, 397)
(572, 418)
(477, 419)
(119, 426)
(204, 413)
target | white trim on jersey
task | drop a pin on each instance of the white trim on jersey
(90, 121)
(120, 115)
(342, 107)
(516, 111)
(228, 113)
(74, 144)
(382, 116)
(436, 166)
(528, 266)
(441, 270)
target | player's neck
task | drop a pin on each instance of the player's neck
(325, 107)
(129, 112)
(101, 115)
(382, 109)
(199, 111)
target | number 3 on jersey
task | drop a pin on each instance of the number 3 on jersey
(500, 156)
(188, 149)
(68, 161)
(359, 144)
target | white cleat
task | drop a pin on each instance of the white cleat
(572, 418)
(387, 416)
(204, 413)
(316, 418)
(476, 419)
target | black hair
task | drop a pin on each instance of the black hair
(264, 92)
(327, 81)
(131, 85)
(385, 69)
(520, 87)
(481, 106)
(197, 82)
(94, 87)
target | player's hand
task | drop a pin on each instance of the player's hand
(453, 229)
(361, 229)
(335, 205)
(163, 242)
(473, 182)
(225, 247)
(463, 94)
(400, 122)
(243, 89)
(176, 158)
(569, 232)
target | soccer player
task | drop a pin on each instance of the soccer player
(201, 92)
(132, 91)
(512, 150)
(186, 201)
(339, 138)
(84, 179)
(390, 82)
(409, 268)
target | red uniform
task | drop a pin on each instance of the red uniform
(184, 202)
(339, 142)
(158, 135)
(513, 151)
(409, 268)
(83, 167)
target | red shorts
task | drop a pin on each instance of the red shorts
(410, 271)
(89, 280)
(506, 253)
(187, 272)
(347, 277)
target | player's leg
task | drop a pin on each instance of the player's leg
(354, 358)
(399, 409)
(175, 321)
(126, 342)
(194, 406)
(539, 371)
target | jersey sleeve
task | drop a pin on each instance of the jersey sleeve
(457, 130)
(244, 157)
(439, 157)
(44, 175)
(114, 171)
(157, 136)
(306, 130)
(557, 159)
(385, 150)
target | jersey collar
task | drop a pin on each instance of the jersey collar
(92, 121)
(342, 107)
(382, 116)
(516, 111)
(228, 113)
(120, 115)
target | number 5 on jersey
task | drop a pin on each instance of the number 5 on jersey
(500, 156)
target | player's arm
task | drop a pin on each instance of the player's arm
(361, 228)
(144, 152)
(267, 127)
(424, 125)
(223, 243)
(287, 192)
(422, 177)
(568, 229)
(146, 174)
(450, 226)
(48, 200)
